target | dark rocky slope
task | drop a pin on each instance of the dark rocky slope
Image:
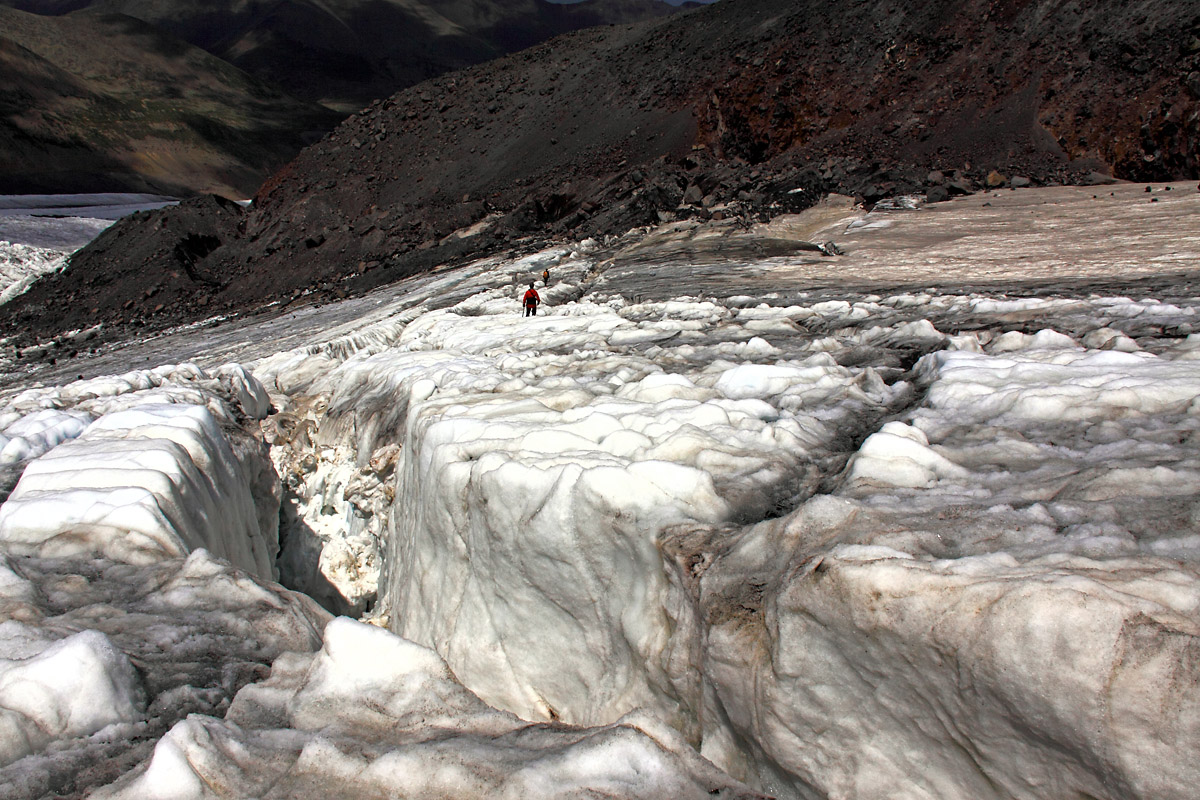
(725, 109)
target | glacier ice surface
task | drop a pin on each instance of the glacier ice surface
(889, 543)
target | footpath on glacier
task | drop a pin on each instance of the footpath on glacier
(728, 517)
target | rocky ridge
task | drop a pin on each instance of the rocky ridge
(185, 99)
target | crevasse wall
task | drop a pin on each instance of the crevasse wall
(143, 467)
(529, 491)
(137, 557)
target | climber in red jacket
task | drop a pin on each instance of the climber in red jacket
(531, 302)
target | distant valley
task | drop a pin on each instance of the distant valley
(190, 98)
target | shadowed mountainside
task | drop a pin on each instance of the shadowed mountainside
(103, 102)
(346, 53)
(745, 108)
(212, 97)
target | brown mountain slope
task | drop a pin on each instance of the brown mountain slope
(346, 53)
(97, 101)
(740, 103)
(369, 50)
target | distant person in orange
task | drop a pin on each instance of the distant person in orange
(545, 277)
(531, 301)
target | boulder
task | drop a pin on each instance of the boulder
(937, 194)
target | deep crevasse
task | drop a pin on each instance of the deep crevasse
(954, 613)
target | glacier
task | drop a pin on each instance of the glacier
(38, 232)
(714, 523)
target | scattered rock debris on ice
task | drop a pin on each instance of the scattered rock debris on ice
(904, 544)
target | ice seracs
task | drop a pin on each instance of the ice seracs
(22, 264)
(529, 558)
(116, 619)
(838, 648)
(886, 655)
(990, 566)
(898, 455)
(101, 658)
(373, 714)
(889, 543)
(155, 477)
(74, 687)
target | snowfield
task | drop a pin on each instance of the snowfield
(705, 526)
